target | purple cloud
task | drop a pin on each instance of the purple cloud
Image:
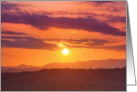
(37, 43)
(12, 33)
(26, 42)
(44, 22)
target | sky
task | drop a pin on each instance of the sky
(36, 32)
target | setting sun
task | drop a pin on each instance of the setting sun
(65, 51)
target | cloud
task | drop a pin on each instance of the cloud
(93, 46)
(89, 44)
(109, 18)
(96, 2)
(81, 41)
(44, 22)
(26, 42)
(47, 44)
(97, 42)
(107, 5)
(11, 6)
(100, 2)
(117, 19)
(71, 41)
(118, 47)
(12, 33)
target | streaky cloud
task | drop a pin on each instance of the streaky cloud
(44, 22)
(26, 42)
(37, 43)
(12, 33)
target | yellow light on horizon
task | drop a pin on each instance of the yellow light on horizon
(65, 51)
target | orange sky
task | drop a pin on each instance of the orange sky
(35, 32)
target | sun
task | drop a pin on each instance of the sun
(65, 51)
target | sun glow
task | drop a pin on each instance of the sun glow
(65, 51)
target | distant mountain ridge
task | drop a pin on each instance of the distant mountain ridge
(94, 64)
(19, 68)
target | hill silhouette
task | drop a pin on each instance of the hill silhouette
(65, 80)
(19, 68)
(94, 64)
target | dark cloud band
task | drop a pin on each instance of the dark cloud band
(44, 22)
(37, 43)
(12, 33)
(26, 42)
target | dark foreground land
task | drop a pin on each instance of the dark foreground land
(65, 80)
